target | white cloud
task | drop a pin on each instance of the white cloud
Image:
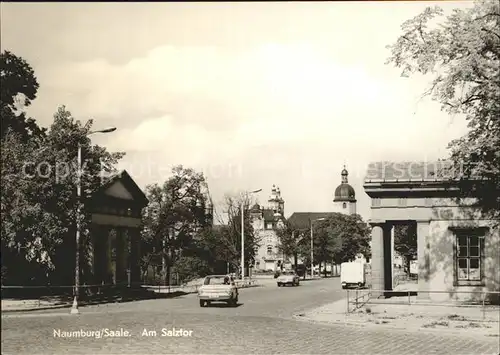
(276, 95)
(290, 99)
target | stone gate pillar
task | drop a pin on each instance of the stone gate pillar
(135, 257)
(121, 255)
(388, 251)
(377, 262)
(423, 245)
(101, 245)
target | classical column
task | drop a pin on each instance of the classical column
(135, 268)
(111, 256)
(377, 262)
(423, 258)
(392, 253)
(388, 250)
(125, 254)
(101, 235)
(120, 251)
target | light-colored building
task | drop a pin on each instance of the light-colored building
(265, 221)
(458, 247)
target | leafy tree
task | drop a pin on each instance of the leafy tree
(227, 237)
(177, 213)
(60, 198)
(340, 238)
(39, 184)
(462, 54)
(405, 242)
(25, 245)
(187, 268)
(293, 243)
(18, 88)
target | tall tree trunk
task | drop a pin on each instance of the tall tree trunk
(295, 261)
(324, 271)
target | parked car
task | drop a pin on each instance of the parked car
(218, 288)
(301, 270)
(288, 278)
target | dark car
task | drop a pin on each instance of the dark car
(301, 270)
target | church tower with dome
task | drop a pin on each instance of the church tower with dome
(345, 198)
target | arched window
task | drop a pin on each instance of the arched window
(344, 205)
(269, 249)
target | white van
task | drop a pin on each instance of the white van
(353, 274)
(414, 267)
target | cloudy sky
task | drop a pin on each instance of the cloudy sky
(253, 94)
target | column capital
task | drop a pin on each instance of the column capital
(377, 222)
(423, 221)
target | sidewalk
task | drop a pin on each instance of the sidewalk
(13, 305)
(468, 321)
(407, 286)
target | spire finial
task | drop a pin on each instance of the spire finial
(344, 174)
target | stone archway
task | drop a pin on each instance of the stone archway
(115, 232)
(413, 192)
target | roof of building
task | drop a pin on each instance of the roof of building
(301, 220)
(255, 208)
(344, 192)
(124, 177)
(410, 171)
(268, 215)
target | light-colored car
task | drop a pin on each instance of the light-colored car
(218, 288)
(288, 278)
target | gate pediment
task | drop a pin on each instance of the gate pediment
(118, 202)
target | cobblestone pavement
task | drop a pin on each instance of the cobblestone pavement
(262, 324)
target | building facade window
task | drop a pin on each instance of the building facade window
(269, 226)
(269, 250)
(469, 258)
(344, 205)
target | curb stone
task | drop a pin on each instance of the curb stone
(34, 309)
(369, 325)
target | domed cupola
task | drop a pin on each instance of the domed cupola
(255, 208)
(344, 192)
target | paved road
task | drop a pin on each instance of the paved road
(261, 324)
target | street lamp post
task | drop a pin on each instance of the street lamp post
(312, 245)
(243, 233)
(74, 308)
